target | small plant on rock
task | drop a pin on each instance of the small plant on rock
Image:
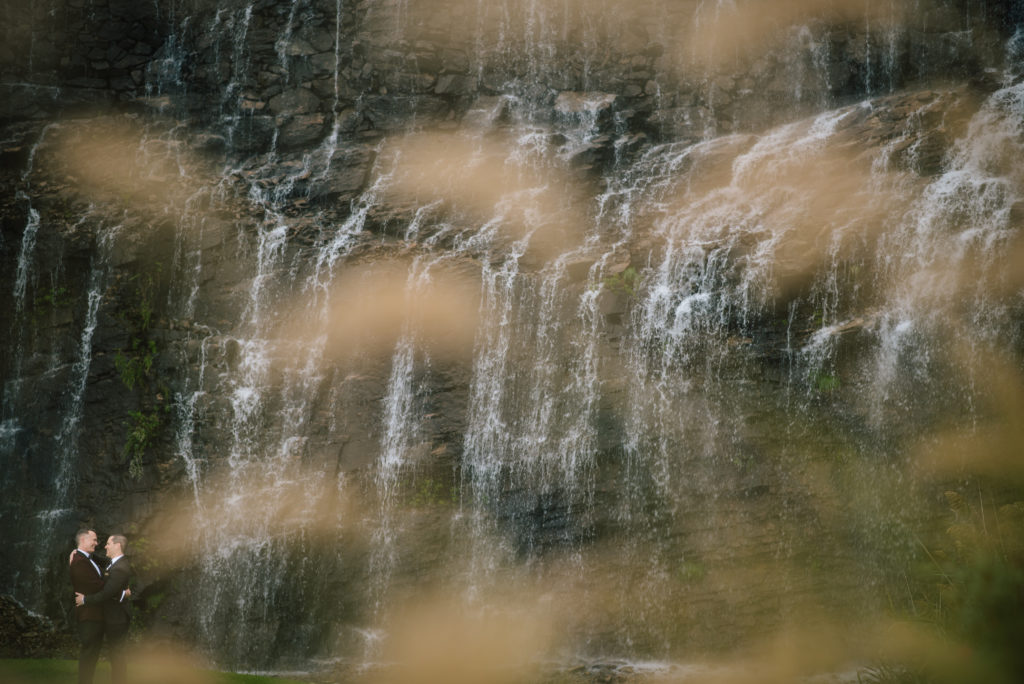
(142, 428)
(136, 367)
(625, 283)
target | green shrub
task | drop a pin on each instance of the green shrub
(142, 429)
(135, 367)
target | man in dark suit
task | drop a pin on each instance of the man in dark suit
(110, 598)
(87, 578)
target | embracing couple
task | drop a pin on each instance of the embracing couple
(101, 603)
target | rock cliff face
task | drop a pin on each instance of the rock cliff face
(664, 226)
(296, 69)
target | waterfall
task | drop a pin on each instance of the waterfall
(641, 313)
(732, 250)
(28, 243)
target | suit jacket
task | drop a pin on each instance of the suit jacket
(85, 580)
(115, 611)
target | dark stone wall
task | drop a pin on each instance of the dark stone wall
(56, 55)
(251, 69)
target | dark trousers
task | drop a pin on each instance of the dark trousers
(90, 636)
(117, 636)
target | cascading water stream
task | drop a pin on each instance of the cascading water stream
(284, 42)
(402, 416)
(28, 244)
(945, 261)
(487, 432)
(25, 252)
(266, 452)
(12, 385)
(67, 435)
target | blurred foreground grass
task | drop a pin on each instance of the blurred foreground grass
(40, 670)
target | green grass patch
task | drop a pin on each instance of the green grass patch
(39, 670)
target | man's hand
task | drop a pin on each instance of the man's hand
(127, 592)
(79, 599)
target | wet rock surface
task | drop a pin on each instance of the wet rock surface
(277, 111)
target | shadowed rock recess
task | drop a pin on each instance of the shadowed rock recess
(665, 324)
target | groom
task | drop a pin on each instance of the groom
(87, 578)
(110, 598)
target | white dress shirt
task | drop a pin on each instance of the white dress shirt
(92, 562)
(98, 571)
